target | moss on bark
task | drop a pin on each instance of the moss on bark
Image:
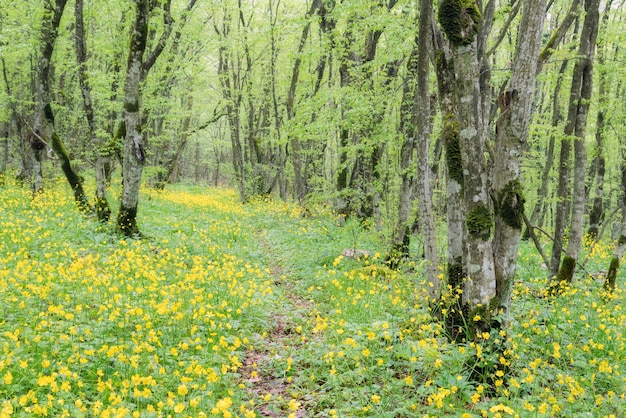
(127, 221)
(103, 211)
(460, 20)
(510, 205)
(611, 276)
(565, 274)
(450, 135)
(479, 222)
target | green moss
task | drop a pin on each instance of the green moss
(609, 284)
(479, 222)
(127, 221)
(566, 272)
(132, 107)
(621, 240)
(454, 159)
(510, 205)
(460, 20)
(103, 211)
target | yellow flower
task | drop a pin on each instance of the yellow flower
(375, 398)
(183, 390)
(179, 408)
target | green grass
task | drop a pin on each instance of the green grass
(232, 310)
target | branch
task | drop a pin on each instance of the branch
(559, 34)
(160, 46)
(505, 28)
(531, 231)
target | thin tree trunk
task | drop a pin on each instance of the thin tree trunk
(103, 210)
(582, 87)
(4, 138)
(536, 217)
(618, 253)
(596, 216)
(424, 190)
(44, 120)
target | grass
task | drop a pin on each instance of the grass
(230, 310)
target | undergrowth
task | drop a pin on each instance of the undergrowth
(93, 324)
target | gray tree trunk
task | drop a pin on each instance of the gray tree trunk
(511, 142)
(581, 91)
(134, 156)
(618, 253)
(103, 210)
(138, 67)
(424, 189)
(44, 117)
(461, 26)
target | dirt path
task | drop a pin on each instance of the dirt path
(268, 368)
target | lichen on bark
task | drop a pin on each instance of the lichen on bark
(479, 222)
(460, 20)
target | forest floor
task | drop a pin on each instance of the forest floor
(252, 310)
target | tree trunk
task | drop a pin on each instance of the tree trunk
(134, 155)
(103, 210)
(4, 138)
(138, 67)
(596, 216)
(582, 87)
(424, 189)
(511, 141)
(538, 213)
(455, 212)
(620, 247)
(44, 120)
(461, 26)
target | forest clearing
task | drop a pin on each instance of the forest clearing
(225, 309)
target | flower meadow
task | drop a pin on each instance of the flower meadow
(230, 310)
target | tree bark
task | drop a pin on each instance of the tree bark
(421, 108)
(511, 141)
(620, 247)
(581, 91)
(103, 210)
(461, 26)
(138, 67)
(539, 210)
(44, 118)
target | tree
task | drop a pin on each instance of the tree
(138, 67)
(580, 96)
(44, 117)
(103, 211)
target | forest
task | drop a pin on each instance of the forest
(312, 208)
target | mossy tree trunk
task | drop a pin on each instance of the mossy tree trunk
(580, 96)
(401, 237)
(511, 142)
(455, 212)
(138, 67)
(44, 120)
(618, 253)
(461, 21)
(103, 210)
(598, 167)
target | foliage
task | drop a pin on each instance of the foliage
(250, 310)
